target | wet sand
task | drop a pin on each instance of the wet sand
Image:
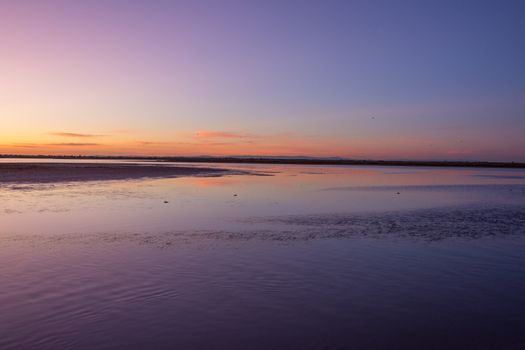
(68, 172)
(427, 225)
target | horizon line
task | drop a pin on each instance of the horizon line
(305, 160)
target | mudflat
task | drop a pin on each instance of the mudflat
(67, 172)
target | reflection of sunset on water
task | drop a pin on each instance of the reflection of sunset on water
(195, 202)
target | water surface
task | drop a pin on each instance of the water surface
(307, 257)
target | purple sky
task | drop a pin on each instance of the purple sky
(362, 79)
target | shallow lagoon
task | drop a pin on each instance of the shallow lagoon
(295, 257)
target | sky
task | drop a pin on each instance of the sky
(414, 79)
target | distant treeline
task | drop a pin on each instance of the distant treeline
(285, 160)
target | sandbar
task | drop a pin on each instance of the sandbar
(72, 172)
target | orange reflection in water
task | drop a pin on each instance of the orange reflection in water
(151, 205)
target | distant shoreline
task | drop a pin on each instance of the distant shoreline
(286, 160)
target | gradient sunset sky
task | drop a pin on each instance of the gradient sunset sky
(358, 79)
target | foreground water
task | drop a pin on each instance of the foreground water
(294, 257)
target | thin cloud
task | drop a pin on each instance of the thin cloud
(74, 134)
(74, 144)
(153, 143)
(208, 134)
(25, 145)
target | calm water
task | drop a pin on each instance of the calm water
(306, 257)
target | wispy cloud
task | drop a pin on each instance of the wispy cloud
(210, 134)
(74, 134)
(153, 143)
(73, 144)
(24, 145)
(45, 145)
